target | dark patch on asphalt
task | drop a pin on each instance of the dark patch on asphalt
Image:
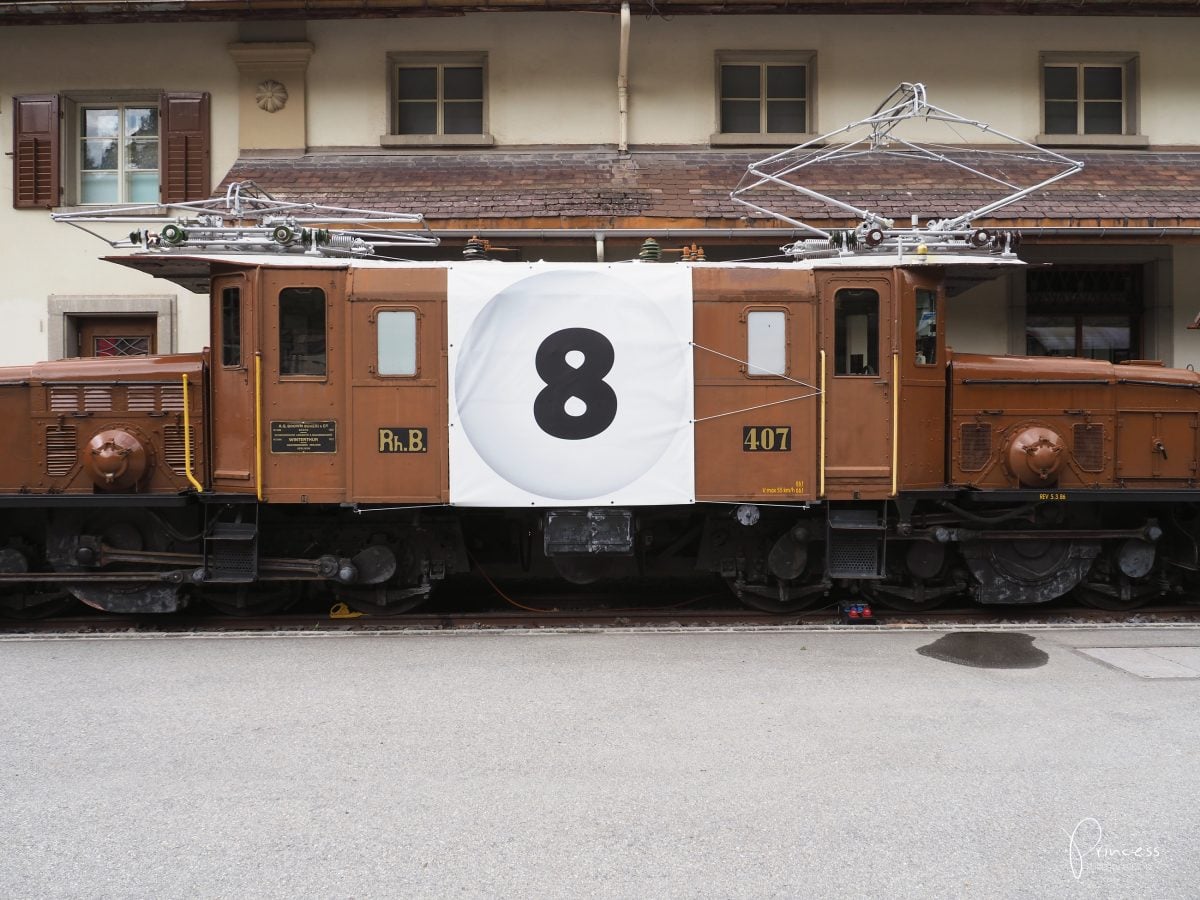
(986, 650)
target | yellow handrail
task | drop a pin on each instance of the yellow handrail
(821, 436)
(258, 486)
(187, 439)
(895, 424)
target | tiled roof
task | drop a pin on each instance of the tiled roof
(688, 189)
(48, 12)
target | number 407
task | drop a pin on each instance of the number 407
(776, 438)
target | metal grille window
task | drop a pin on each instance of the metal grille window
(439, 98)
(121, 346)
(764, 97)
(1093, 312)
(118, 154)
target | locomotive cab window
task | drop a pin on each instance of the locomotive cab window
(302, 331)
(926, 326)
(766, 342)
(231, 327)
(396, 333)
(856, 332)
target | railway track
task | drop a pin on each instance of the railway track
(339, 619)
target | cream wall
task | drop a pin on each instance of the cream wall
(43, 258)
(552, 81)
(552, 76)
(1186, 293)
(977, 319)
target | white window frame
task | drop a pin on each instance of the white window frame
(73, 105)
(398, 60)
(806, 58)
(1127, 61)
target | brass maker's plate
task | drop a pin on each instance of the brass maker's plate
(304, 437)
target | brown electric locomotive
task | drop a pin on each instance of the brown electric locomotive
(798, 429)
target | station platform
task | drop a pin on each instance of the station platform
(1024, 762)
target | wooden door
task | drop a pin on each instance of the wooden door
(231, 385)
(117, 335)
(305, 437)
(398, 396)
(857, 339)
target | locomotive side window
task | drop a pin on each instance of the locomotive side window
(926, 327)
(396, 332)
(856, 332)
(766, 342)
(231, 327)
(302, 331)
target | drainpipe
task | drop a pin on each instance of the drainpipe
(623, 83)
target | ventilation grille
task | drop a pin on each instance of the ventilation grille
(171, 397)
(854, 556)
(975, 446)
(146, 397)
(173, 449)
(97, 399)
(61, 453)
(63, 399)
(142, 397)
(1089, 447)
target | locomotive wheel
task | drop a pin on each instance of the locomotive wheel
(125, 529)
(756, 596)
(1097, 599)
(35, 604)
(245, 600)
(382, 601)
(902, 604)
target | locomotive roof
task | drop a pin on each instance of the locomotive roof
(194, 271)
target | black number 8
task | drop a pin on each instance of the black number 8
(564, 381)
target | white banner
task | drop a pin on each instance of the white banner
(570, 386)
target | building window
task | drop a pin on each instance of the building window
(118, 154)
(1092, 312)
(108, 325)
(438, 99)
(1088, 98)
(103, 148)
(766, 98)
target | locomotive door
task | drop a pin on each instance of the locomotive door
(304, 425)
(398, 386)
(857, 340)
(755, 396)
(231, 380)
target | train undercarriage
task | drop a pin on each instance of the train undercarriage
(907, 554)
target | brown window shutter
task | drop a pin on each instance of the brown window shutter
(36, 162)
(186, 137)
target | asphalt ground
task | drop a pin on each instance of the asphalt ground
(697, 763)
